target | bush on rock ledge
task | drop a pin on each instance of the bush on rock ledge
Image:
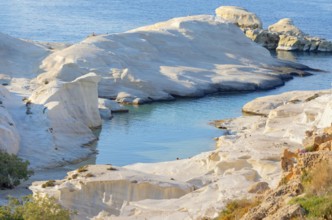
(12, 170)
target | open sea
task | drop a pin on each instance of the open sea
(167, 130)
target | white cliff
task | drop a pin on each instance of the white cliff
(189, 56)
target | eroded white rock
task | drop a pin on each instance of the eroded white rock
(60, 116)
(19, 58)
(103, 188)
(189, 56)
(9, 137)
(285, 26)
(239, 16)
(249, 154)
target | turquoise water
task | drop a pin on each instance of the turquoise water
(170, 130)
(167, 130)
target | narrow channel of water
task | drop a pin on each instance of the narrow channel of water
(179, 129)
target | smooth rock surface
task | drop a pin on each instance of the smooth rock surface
(61, 115)
(19, 58)
(285, 26)
(10, 139)
(239, 16)
(189, 56)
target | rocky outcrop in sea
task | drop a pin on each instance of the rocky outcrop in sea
(283, 35)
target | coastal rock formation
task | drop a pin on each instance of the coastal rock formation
(239, 16)
(189, 56)
(141, 65)
(112, 105)
(19, 58)
(10, 139)
(286, 27)
(283, 35)
(264, 38)
(78, 98)
(246, 161)
(97, 188)
(275, 204)
(61, 115)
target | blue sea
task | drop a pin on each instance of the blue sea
(167, 130)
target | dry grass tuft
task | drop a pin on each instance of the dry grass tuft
(49, 183)
(237, 208)
(320, 179)
(82, 169)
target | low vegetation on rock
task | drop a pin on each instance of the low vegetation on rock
(12, 170)
(49, 183)
(82, 169)
(34, 208)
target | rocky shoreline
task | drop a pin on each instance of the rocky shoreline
(248, 155)
(283, 35)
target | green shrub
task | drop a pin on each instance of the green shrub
(12, 170)
(317, 207)
(34, 208)
(318, 187)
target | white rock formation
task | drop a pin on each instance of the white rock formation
(60, 116)
(111, 105)
(263, 105)
(239, 16)
(78, 98)
(104, 188)
(188, 56)
(10, 139)
(264, 38)
(249, 153)
(19, 58)
(285, 26)
(326, 119)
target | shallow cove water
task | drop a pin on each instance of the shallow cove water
(168, 130)
(179, 129)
